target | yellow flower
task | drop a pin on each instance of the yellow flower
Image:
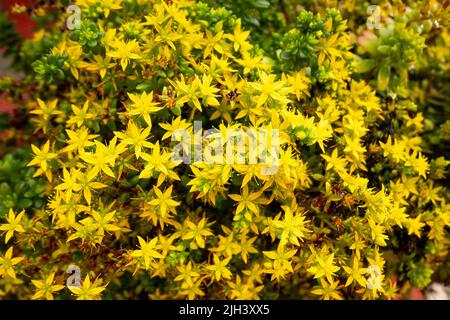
(46, 110)
(358, 245)
(193, 291)
(246, 201)
(299, 83)
(219, 268)
(377, 232)
(147, 251)
(269, 88)
(238, 37)
(86, 183)
(415, 225)
(281, 264)
(103, 158)
(334, 161)
(328, 290)
(213, 42)
(419, 163)
(143, 105)
(102, 221)
(135, 137)
(80, 115)
(249, 63)
(79, 140)
(109, 5)
(70, 183)
(166, 35)
(187, 275)
(42, 156)
(292, 227)
(187, 92)
(207, 90)
(323, 264)
(164, 201)
(177, 124)
(101, 64)
(197, 231)
(156, 161)
(355, 273)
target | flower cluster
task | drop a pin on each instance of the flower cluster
(355, 189)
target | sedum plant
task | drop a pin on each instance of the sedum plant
(18, 189)
(356, 207)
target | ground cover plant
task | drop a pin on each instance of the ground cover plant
(351, 203)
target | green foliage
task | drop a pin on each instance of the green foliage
(50, 68)
(18, 189)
